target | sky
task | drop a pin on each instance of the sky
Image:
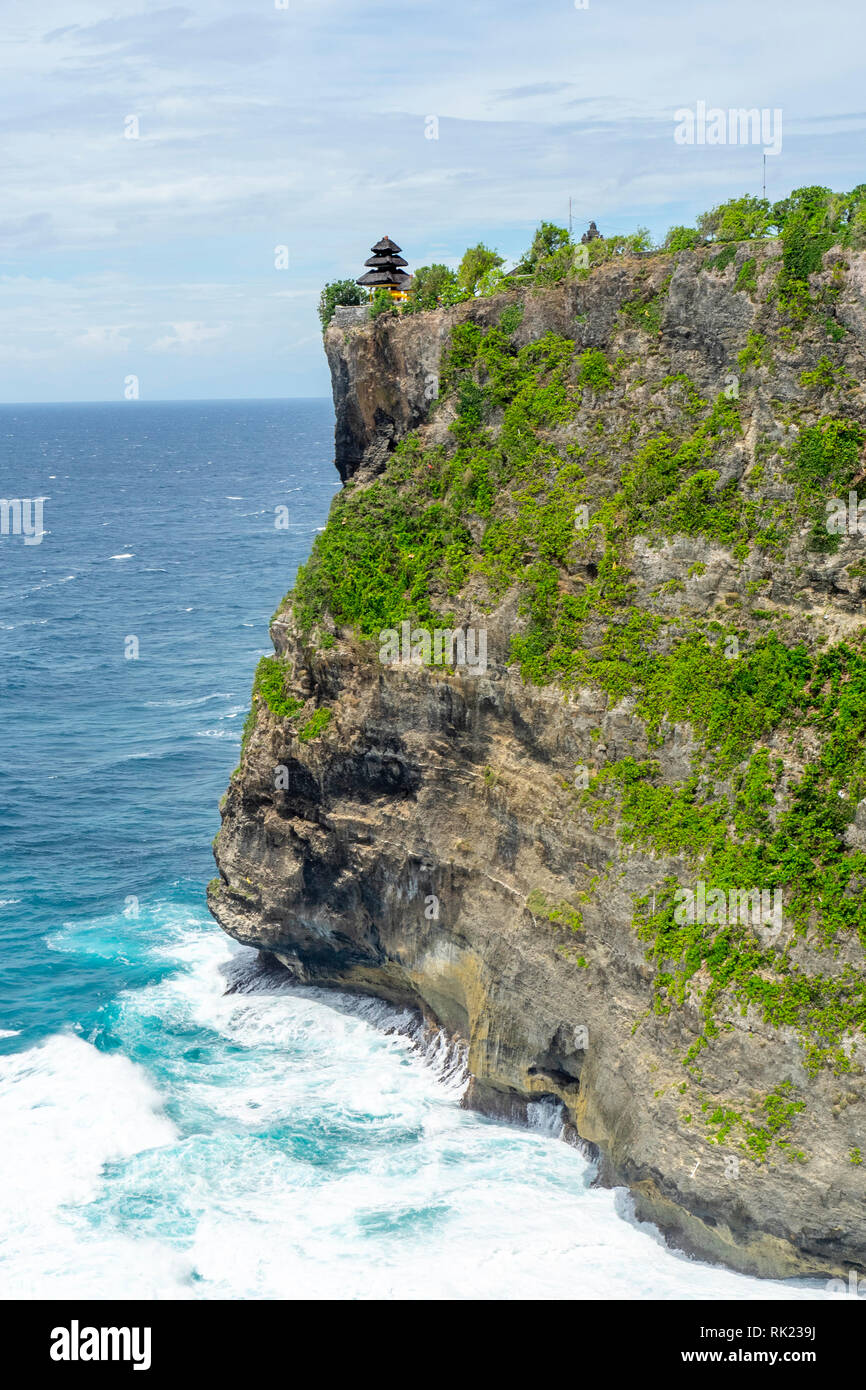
(157, 157)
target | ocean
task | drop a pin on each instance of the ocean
(174, 1125)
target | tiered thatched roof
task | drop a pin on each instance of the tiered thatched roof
(386, 262)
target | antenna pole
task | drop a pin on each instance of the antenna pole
(570, 224)
(765, 176)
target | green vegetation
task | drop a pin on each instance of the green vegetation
(315, 725)
(594, 370)
(511, 318)
(681, 239)
(269, 682)
(645, 313)
(552, 251)
(433, 286)
(776, 1111)
(269, 685)
(382, 303)
(338, 292)
(723, 258)
(739, 219)
(825, 460)
(477, 263)
(382, 557)
(735, 705)
(756, 353)
(610, 248)
(560, 914)
(810, 221)
(824, 464)
(400, 548)
(825, 376)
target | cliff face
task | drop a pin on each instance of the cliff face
(674, 694)
(383, 382)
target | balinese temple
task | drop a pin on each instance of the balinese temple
(385, 272)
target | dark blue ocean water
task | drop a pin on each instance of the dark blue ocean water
(160, 526)
(160, 1137)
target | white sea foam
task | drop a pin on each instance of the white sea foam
(545, 1116)
(320, 1151)
(188, 703)
(67, 1110)
(59, 1124)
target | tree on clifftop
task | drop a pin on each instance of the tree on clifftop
(476, 263)
(433, 285)
(739, 219)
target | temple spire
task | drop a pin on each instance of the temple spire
(385, 271)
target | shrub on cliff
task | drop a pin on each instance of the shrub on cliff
(338, 292)
(608, 248)
(739, 219)
(855, 218)
(810, 221)
(494, 281)
(477, 262)
(432, 286)
(270, 683)
(682, 239)
(547, 242)
(559, 266)
(382, 304)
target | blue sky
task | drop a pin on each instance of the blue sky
(304, 127)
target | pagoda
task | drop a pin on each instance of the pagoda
(385, 272)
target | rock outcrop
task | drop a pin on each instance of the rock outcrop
(460, 839)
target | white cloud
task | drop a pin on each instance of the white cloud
(106, 338)
(301, 127)
(186, 337)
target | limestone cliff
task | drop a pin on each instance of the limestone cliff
(622, 479)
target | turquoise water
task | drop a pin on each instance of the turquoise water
(174, 1124)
